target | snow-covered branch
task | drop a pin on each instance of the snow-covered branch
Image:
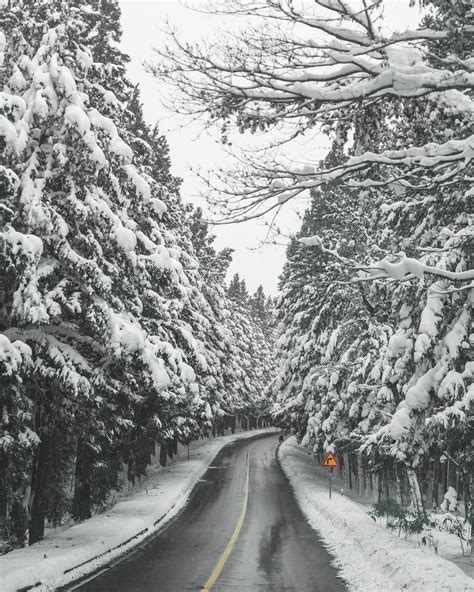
(253, 188)
(311, 63)
(403, 268)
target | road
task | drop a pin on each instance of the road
(241, 532)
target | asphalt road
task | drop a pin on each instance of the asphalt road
(274, 550)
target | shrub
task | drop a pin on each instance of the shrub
(399, 517)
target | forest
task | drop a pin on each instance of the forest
(375, 306)
(121, 334)
(118, 333)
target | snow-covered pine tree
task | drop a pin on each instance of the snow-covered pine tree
(326, 323)
(429, 350)
(237, 289)
(258, 306)
(84, 246)
(115, 331)
(207, 317)
(233, 335)
(411, 398)
(426, 363)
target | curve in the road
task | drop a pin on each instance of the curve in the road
(242, 531)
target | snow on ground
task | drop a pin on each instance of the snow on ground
(448, 544)
(58, 559)
(370, 557)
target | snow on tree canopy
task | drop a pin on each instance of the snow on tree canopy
(114, 337)
(376, 293)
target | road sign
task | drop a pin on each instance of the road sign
(330, 461)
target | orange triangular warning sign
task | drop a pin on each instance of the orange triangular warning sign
(330, 461)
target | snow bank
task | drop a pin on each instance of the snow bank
(370, 557)
(83, 548)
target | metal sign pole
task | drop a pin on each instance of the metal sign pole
(330, 483)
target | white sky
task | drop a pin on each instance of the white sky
(190, 146)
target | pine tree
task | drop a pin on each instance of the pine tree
(258, 305)
(85, 248)
(379, 363)
(117, 331)
(243, 292)
(234, 287)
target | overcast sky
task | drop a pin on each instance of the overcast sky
(190, 146)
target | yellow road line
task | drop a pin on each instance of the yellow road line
(235, 535)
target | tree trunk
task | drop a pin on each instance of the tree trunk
(172, 448)
(17, 522)
(38, 499)
(352, 472)
(347, 470)
(163, 453)
(37, 519)
(360, 475)
(39, 476)
(131, 470)
(445, 478)
(399, 486)
(435, 484)
(452, 475)
(387, 482)
(469, 505)
(379, 484)
(415, 492)
(82, 498)
(14, 513)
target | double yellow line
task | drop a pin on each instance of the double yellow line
(238, 527)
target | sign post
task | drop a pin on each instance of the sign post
(331, 463)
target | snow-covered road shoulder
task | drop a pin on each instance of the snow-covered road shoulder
(369, 557)
(83, 548)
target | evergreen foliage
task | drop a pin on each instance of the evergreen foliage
(376, 297)
(117, 332)
(380, 363)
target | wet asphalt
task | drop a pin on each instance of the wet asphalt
(276, 550)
